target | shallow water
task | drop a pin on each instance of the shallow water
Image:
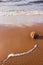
(21, 20)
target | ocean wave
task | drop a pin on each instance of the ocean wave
(10, 0)
(21, 4)
(23, 1)
(28, 3)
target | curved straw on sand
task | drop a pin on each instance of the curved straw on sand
(20, 54)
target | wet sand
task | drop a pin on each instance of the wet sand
(16, 40)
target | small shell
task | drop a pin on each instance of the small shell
(33, 35)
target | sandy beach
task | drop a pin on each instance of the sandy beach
(18, 18)
(15, 39)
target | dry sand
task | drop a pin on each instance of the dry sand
(16, 40)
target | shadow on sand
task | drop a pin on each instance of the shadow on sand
(39, 37)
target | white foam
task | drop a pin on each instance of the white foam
(20, 54)
(20, 18)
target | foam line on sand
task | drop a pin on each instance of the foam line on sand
(18, 12)
(20, 54)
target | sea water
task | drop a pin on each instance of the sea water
(21, 5)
